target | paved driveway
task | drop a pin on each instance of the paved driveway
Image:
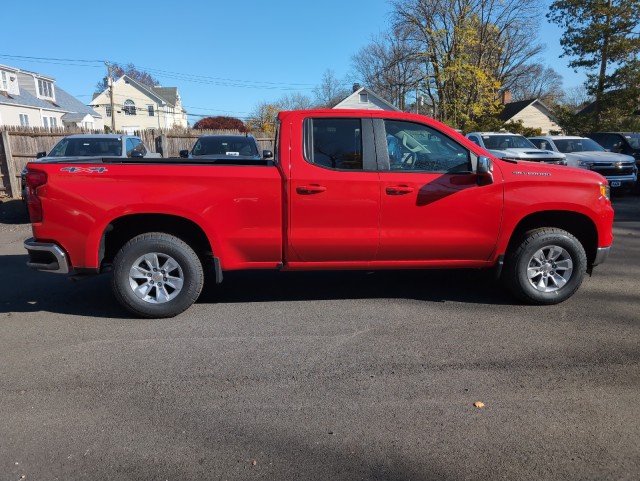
(333, 376)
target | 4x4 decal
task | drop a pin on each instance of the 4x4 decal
(87, 170)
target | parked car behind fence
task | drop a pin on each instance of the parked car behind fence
(93, 145)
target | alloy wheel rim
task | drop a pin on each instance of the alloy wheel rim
(156, 278)
(549, 269)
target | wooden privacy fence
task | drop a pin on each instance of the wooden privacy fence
(19, 145)
(171, 142)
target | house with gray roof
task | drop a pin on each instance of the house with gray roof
(140, 107)
(30, 99)
(532, 113)
(364, 98)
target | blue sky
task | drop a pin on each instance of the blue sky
(225, 57)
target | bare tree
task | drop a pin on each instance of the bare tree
(538, 82)
(576, 97)
(330, 91)
(389, 67)
(294, 101)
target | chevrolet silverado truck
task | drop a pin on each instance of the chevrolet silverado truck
(345, 189)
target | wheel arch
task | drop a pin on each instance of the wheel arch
(577, 224)
(120, 230)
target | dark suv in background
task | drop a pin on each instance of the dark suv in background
(619, 142)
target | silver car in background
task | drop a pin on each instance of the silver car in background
(619, 169)
(505, 145)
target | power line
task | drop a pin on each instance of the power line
(182, 74)
(186, 77)
(146, 101)
(51, 58)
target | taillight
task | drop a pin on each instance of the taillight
(35, 179)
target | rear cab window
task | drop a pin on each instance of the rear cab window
(87, 147)
(337, 144)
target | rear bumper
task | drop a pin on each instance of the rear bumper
(46, 256)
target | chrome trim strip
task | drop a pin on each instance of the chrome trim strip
(620, 178)
(601, 255)
(61, 266)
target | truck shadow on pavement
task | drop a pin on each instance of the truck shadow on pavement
(470, 286)
(13, 212)
(33, 291)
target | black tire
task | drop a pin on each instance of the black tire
(552, 280)
(144, 287)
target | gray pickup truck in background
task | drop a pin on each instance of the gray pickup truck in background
(619, 169)
(504, 145)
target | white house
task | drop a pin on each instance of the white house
(139, 107)
(533, 113)
(363, 98)
(30, 99)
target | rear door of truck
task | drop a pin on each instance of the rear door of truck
(334, 191)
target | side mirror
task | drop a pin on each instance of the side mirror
(184, 154)
(39, 155)
(267, 154)
(484, 170)
(136, 154)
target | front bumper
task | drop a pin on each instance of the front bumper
(621, 181)
(46, 256)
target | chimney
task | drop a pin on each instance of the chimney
(506, 97)
(356, 87)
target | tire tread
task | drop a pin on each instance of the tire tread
(169, 309)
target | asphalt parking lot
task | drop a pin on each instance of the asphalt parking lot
(328, 376)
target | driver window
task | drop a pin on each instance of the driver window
(416, 147)
(60, 149)
(130, 146)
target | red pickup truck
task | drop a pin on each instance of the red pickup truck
(344, 190)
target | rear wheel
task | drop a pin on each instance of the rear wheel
(546, 267)
(157, 275)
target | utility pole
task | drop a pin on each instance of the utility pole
(113, 111)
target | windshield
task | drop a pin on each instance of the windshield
(568, 146)
(502, 142)
(634, 140)
(234, 146)
(87, 147)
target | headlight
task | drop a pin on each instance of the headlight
(605, 191)
(584, 164)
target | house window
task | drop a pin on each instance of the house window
(364, 98)
(129, 107)
(49, 122)
(108, 110)
(150, 110)
(24, 120)
(4, 85)
(45, 88)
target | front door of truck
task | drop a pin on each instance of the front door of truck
(432, 207)
(334, 192)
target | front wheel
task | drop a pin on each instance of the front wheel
(546, 267)
(157, 275)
